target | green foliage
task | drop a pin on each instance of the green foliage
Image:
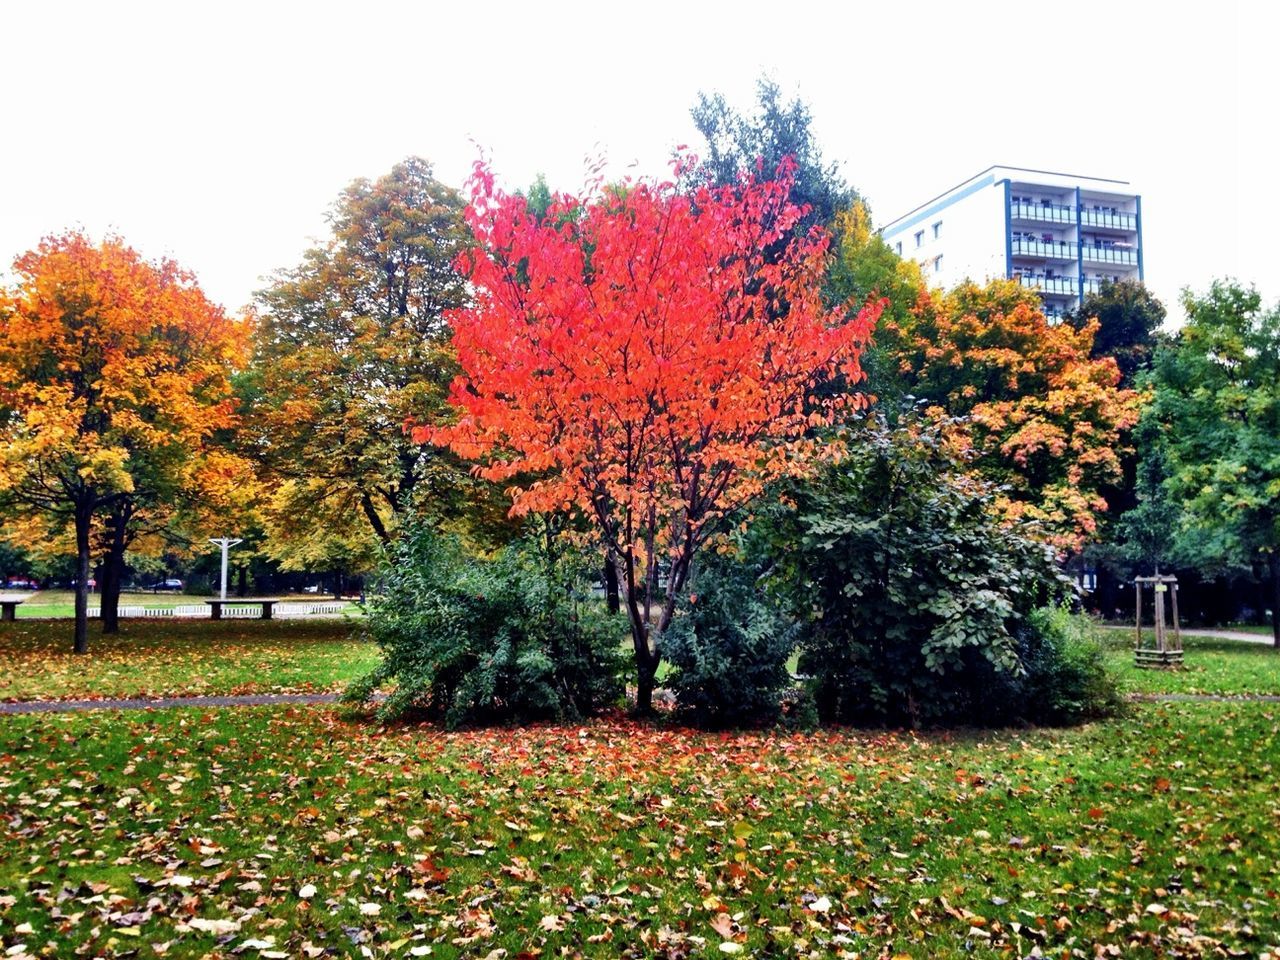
(1130, 318)
(737, 142)
(922, 597)
(1149, 534)
(729, 645)
(1064, 677)
(1217, 400)
(473, 640)
(352, 343)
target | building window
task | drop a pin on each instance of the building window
(899, 248)
(919, 238)
(937, 264)
(936, 228)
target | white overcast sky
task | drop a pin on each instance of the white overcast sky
(219, 133)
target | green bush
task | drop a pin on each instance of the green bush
(470, 640)
(1064, 677)
(729, 646)
(924, 602)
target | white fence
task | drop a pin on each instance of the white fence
(232, 611)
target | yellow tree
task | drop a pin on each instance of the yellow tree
(115, 390)
(351, 344)
(1035, 412)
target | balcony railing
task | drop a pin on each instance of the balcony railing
(1105, 218)
(1057, 250)
(1093, 285)
(1110, 254)
(1062, 285)
(1044, 212)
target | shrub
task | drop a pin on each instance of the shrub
(1064, 677)
(924, 602)
(471, 640)
(728, 647)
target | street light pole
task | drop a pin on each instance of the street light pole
(225, 543)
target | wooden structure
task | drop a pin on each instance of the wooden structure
(216, 611)
(1165, 648)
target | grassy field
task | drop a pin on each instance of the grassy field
(156, 657)
(61, 603)
(296, 833)
(1211, 665)
(305, 832)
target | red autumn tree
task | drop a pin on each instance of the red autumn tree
(635, 355)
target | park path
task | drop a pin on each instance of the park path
(1201, 632)
(308, 699)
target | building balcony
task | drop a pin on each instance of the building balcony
(1058, 250)
(1043, 212)
(1093, 285)
(1064, 286)
(1106, 218)
(1125, 255)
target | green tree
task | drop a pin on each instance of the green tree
(1217, 399)
(864, 266)
(736, 143)
(1129, 319)
(351, 343)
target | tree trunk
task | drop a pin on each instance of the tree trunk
(83, 519)
(646, 658)
(113, 572)
(611, 586)
(644, 686)
(1273, 562)
(242, 581)
(375, 521)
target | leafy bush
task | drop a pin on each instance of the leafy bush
(471, 640)
(729, 647)
(1064, 677)
(924, 602)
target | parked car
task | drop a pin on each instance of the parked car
(21, 583)
(172, 584)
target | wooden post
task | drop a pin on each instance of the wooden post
(1177, 627)
(1137, 617)
(1158, 588)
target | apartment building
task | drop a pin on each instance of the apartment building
(1058, 234)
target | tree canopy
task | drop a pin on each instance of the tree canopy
(353, 342)
(1040, 415)
(115, 379)
(758, 144)
(635, 356)
(1129, 320)
(1217, 399)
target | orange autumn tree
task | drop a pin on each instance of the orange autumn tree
(1036, 414)
(634, 355)
(114, 387)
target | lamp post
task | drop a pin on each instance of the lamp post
(225, 543)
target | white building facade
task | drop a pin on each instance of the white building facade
(1058, 234)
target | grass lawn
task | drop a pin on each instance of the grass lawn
(62, 603)
(295, 833)
(155, 657)
(1210, 665)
